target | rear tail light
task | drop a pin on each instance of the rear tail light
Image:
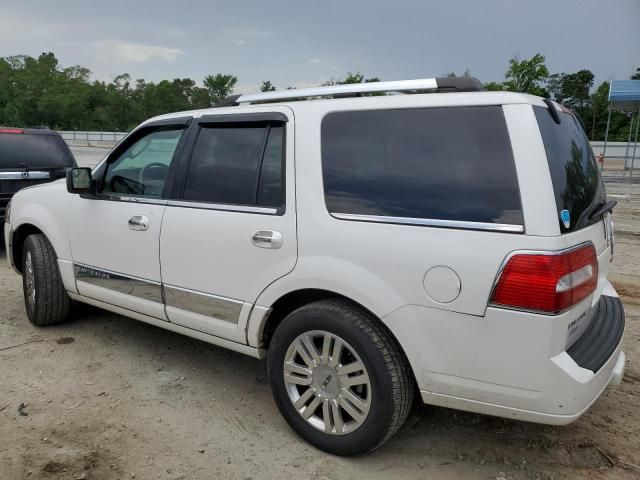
(547, 282)
(11, 130)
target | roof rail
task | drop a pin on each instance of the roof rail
(230, 101)
(444, 84)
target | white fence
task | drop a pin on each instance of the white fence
(92, 136)
(619, 151)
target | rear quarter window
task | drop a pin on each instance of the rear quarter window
(34, 151)
(453, 163)
(576, 180)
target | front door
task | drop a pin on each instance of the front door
(232, 230)
(115, 233)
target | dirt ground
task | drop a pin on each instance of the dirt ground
(106, 397)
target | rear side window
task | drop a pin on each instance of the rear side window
(33, 151)
(577, 184)
(239, 164)
(452, 163)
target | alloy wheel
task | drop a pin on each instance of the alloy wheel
(327, 382)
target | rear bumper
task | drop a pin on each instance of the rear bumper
(500, 364)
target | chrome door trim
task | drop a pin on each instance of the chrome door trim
(221, 308)
(136, 287)
(25, 175)
(223, 207)
(209, 305)
(432, 222)
(120, 198)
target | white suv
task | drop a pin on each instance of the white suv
(373, 246)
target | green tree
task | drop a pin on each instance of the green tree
(572, 89)
(267, 86)
(357, 78)
(220, 86)
(493, 86)
(465, 74)
(527, 76)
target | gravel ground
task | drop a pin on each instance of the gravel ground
(106, 397)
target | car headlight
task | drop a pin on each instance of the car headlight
(7, 214)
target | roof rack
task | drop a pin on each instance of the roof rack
(443, 84)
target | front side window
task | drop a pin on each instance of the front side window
(237, 164)
(143, 167)
(453, 163)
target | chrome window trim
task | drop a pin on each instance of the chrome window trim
(223, 207)
(432, 222)
(25, 175)
(119, 198)
(119, 282)
(205, 304)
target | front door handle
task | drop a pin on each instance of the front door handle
(139, 223)
(267, 239)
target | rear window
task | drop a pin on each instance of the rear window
(453, 163)
(577, 184)
(33, 151)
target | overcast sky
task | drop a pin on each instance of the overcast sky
(302, 42)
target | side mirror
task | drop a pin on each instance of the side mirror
(79, 180)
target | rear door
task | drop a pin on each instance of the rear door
(231, 229)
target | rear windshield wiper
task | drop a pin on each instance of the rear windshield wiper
(604, 208)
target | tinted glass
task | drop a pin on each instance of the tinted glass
(271, 186)
(34, 151)
(227, 165)
(142, 169)
(576, 180)
(451, 163)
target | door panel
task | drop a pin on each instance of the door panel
(217, 258)
(112, 262)
(115, 233)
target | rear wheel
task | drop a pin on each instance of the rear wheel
(45, 297)
(338, 377)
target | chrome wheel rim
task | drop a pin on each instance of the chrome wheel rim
(30, 281)
(327, 382)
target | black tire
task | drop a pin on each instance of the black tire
(391, 379)
(51, 304)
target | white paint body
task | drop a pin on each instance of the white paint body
(464, 354)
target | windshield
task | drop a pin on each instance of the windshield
(33, 151)
(577, 184)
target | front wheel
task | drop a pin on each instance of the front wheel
(45, 297)
(339, 378)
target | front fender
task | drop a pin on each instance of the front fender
(45, 208)
(49, 215)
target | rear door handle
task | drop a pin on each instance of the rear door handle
(267, 239)
(139, 223)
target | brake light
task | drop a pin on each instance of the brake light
(547, 282)
(11, 130)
